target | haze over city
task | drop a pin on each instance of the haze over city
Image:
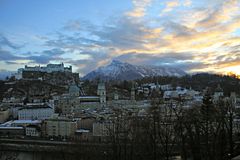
(196, 36)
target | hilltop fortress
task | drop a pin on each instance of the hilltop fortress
(51, 73)
(49, 68)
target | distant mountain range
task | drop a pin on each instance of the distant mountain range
(124, 71)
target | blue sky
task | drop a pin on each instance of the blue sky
(193, 35)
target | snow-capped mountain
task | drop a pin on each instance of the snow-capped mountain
(124, 71)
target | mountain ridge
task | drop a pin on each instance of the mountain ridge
(118, 70)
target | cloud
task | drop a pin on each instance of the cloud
(84, 66)
(73, 25)
(228, 60)
(78, 25)
(66, 41)
(169, 43)
(170, 5)
(122, 34)
(46, 56)
(5, 42)
(43, 57)
(139, 9)
(125, 34)
(220, 14)
(199, 38)
(179, 60)
(6, 55)
(187, 3)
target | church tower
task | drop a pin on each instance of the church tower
(133, 92)
(101, 91)
(233, 99)
(115, 96)
(158, 87)
(218, 93)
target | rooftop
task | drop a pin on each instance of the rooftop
(19, 128)
(27, 121)
(38, 106)
(82, 131)
(9, 123)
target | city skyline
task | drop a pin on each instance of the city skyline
(197, 36)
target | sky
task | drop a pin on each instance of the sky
(194, 35)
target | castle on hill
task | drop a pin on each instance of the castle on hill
(49, 68)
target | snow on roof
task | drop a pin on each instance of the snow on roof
(88, 97)
(82, 131)
(27, 121)
(45, 106)
(9, 123)
(11, 127)
(32, 104)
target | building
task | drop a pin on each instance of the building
(86, 122)
(102, 128)
(49, 68)
(101, 92)
(73, 103)
(115, 96)
(13, 108)
(18, 75)
(74, 91)
(67, 104)
(218, 93)
(183, 93)
(133, 93)
(33, 131)
(11, 99)
(11, 131)
(166, 87)
(59, 127)
(4, 115)
(129, 104)
(146, 91)
(22, 123)
(38, 112)
(21, 128)
(83, 135)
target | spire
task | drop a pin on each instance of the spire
(116, 97)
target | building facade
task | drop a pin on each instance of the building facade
(49, 68)
(33, 131)
(38, 112)
(102, 129)
(4, 115)
(59, 127)
(101, 92)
